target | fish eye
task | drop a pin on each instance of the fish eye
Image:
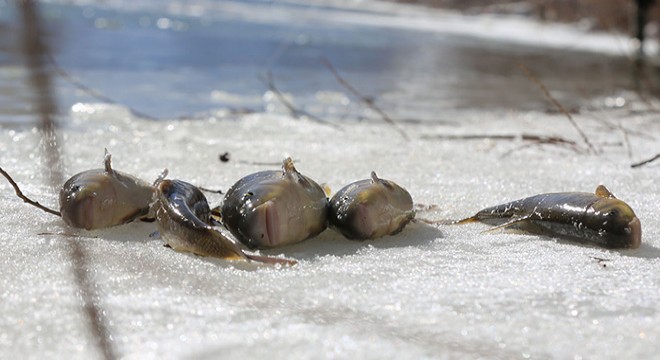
(613, 213)
(248, 195)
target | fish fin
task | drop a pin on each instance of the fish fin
(271, 260)
(374, 177)
(107, 162)
(514, 221)
(161, 177)
(216, 216)
(287, 166)
(148, 219)
(602, 191)
(288, 169)
(463, 221)
(326, 189)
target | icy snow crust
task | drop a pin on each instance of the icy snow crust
(428, 292)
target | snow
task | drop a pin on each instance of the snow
(428, 292)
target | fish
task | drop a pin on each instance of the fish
(370, 209)
(101, 198)
(597, 218)
(184, 221)
(271, 208)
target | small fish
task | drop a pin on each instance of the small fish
(268, 209)
(101, 198)
(183, 219)
(598, 218)
(371, 208)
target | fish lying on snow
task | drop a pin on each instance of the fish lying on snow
(598, 218)
(101, 198)
(273, 208)
(183, 218)
(371, 208)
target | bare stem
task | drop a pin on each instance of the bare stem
(294, 111)
(92, 92)
(26, 199)
(642, 163)
(557, 104)
(366, 100)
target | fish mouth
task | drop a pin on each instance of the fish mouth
(271, 224)
(86, 215)
(635, 236)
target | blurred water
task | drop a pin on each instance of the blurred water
(170, 60)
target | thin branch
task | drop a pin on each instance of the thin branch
(137, 113)
(647, 161)
(92, 92)
(626, 140)
(527, 137)
(557, 104)
(551, 140)
(19, 193)
(293, 110)
(366, 100)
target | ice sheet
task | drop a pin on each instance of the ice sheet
(439, 292)
(428, 292)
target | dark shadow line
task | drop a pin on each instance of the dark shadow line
(35, 53)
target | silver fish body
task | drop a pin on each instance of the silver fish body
(595, 218)
(182, 215)
(183, 219)
(102, 198)
(371, 208)
(269, 209)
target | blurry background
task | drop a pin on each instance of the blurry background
(194, 58)
(608, 15)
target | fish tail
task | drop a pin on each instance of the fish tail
(270, 260)
(465, 221)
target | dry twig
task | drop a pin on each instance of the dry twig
(293, 110)
(535, 139)
(19, 193)
(92, 92)
(366, 100)
(644, 162)
(557, 104)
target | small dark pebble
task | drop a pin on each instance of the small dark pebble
(224, 157)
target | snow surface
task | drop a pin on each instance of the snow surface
(428, 292)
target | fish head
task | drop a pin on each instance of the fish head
(88, 201)
(270, 209)
(397, 196)
(252, 211)
(371, 208)
(616, 222)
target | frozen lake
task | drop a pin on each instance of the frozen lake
(193, 58)
(428, 292)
